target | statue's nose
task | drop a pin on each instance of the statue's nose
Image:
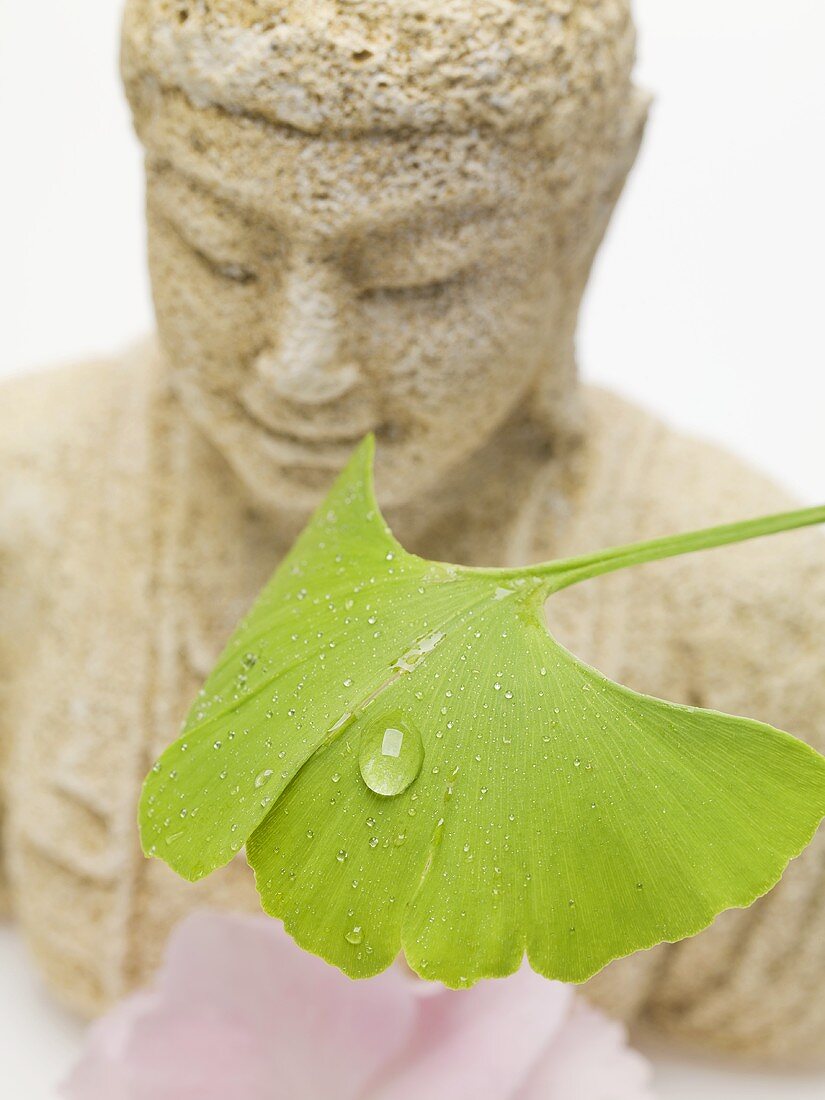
(306, 363)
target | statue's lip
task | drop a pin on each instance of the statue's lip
(309, 447)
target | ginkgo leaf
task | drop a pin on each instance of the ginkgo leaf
(415, 764)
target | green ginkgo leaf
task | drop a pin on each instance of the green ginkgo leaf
(413, 763)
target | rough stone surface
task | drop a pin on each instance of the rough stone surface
(370, 215)
(386, 65)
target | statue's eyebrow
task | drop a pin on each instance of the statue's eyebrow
(455, 216)
(182, 184)
(394, 227)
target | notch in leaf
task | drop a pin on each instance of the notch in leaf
(415, 764)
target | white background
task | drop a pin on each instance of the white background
(706, 303)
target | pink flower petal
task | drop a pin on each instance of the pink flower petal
(481, 1043)
(101, 1073)
(590, 1058)
(239, 1010)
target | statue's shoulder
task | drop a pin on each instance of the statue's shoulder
(656, 479)
(647, 479)
(68, 437)
(49, 412)
(744, 622)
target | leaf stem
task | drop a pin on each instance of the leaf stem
(568, 571)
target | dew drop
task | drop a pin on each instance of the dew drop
(355, 936)
(391, 756)
(263, 778)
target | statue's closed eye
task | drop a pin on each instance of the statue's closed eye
(422, 258)
(424, 289)
(224, 269)
(236, 273)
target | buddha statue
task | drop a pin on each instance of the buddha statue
(371, 215)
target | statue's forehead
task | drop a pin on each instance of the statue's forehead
(339, 183)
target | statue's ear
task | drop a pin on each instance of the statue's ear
(633, 131)
(630, 139)
(622, 152)
(556, 402)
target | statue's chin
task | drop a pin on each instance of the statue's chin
(286, 474)
(282, 474)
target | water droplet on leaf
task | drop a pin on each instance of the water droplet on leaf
(391, 756)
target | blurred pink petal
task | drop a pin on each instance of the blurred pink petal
(102, 1070)
(239, 1011)
(590, 1058)
(482, 1042)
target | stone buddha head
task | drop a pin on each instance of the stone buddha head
(375, 215)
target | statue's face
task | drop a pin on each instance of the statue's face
(309, 291)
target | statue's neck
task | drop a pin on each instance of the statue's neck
(481, 512)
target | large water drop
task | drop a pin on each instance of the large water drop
(391, 756)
